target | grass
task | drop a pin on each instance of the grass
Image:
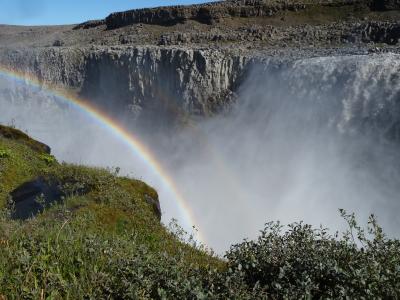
(16, 135)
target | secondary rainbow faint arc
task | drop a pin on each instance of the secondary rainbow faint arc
(128, 138)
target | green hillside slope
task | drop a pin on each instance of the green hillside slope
(73, 232)
(77, 246)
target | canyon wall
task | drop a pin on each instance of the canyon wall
(136, 79)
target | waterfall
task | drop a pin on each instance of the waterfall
(303, 139)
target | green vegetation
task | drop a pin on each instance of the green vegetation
(4, 153)
(307, 263)
(17, 135)
(47, 158)
(80, 247)
(104, 241)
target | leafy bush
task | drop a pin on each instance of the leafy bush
(310, 263)
(47, 158)
(4, 153)
(67, 259)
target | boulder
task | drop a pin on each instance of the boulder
(155, 204)
(33, 197)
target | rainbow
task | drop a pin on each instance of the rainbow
(128, 138)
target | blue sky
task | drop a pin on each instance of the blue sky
(48, 12)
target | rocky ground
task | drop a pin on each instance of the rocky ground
(258, 25)
(203, 50)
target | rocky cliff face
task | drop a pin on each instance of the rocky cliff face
(379, 32)
(206, 13)
(214, 12)
(154, 79)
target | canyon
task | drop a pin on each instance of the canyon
(190, 61)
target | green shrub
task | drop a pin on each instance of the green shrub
(310, 263)
(47, 158)
(4, 153)
(67, 259)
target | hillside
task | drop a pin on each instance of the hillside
(97, 236)
(86, 223)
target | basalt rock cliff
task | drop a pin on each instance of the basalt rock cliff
(176, 80)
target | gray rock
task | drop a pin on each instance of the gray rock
(32, 197)
(89, 24)
(381, 32)
(155, 204)
(58, 43)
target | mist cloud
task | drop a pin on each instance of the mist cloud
(304, 139)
